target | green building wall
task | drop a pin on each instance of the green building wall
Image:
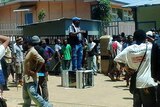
(148, 17)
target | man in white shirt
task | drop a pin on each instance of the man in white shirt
(92, 58)
(58, 66)
(18, 52)
(132, 56)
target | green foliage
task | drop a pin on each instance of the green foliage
(102, 11)
(41, 15)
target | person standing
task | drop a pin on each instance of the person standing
(58, 64)
(49, 52)
(43, 73)
(7, 63)
(33, 63)
(92, 58)
(66, 54)
(4, 43)
(137, 57)
(18, 55)
(9, 60)
(75, 40)
(155, 64)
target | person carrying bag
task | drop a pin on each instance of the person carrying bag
(132, 86)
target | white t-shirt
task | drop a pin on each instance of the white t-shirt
(18, 50)
(132, 56)
(57, 48)
(119, 47)
(2, 53)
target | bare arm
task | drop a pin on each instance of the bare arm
(5, 40)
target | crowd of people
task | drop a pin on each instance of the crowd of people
(137, 57)
(30, 58)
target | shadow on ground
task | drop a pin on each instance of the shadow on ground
(119, 86)
(32, 105)
(128, 98)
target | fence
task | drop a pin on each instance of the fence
(115, 28)
(10, 30)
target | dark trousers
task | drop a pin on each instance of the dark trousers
(145, 97)
(158, 95)
(42, 87)
(66, 64)
(58, 66)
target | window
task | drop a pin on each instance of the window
(28, 18)
(114, 14)
(127, 15)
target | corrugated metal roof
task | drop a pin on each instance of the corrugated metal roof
(143, 3)
(129, 1)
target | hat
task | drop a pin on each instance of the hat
(19, 39)
(149, 33)
(76, 19)
(35, 39)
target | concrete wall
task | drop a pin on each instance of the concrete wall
(148, 17)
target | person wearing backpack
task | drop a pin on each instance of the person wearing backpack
(137, 57)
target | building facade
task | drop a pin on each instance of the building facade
(21, 12)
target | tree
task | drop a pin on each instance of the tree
(101, 11)
(41, 15)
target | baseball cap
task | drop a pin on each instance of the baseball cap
(76, 19)
(149, 33)
(35, 39)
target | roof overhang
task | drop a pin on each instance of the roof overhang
(24, 8)
(143, 3)
(118, 2)
(90, 0)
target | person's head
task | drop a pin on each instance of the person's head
(119, 38)
(43, 43)
(139, 36)
(65, 42)
(123, 34)
(90, 39)
(57, 41)
(35, 40)
(26, 43)
(76, 21)
(19, 40)
(150, 34)
(30, 42)
(130, 38)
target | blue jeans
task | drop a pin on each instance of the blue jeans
(77, 54)
(30, 92)
(42, 87)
